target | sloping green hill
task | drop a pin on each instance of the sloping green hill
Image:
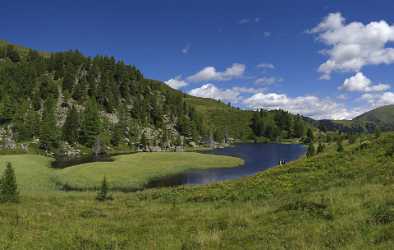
(225, 118)
(382, 117)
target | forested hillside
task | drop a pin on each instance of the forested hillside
(52, 98)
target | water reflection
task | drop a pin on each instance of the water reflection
(257, 157)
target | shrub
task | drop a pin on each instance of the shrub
(382, 215)
(311, 150)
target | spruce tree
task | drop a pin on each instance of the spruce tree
(71, 126)
(311, 150)
(102, 194)
(90, 126)
(8, 186)
(48, 130)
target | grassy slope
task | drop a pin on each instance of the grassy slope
(236, 121)
(383, 116)
(331, 201)
(135, 170)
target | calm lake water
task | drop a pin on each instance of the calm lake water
(257, 157)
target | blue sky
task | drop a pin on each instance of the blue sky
(324, 59)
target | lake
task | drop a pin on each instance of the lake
(257, 156)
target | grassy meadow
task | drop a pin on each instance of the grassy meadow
(126, 172)
(330, 201)
(130, 172)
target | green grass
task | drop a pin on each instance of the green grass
(133, 171)
(33, 172)
(331, 201)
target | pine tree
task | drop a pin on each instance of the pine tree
(71, 126)
(48, 130)
(90, 126)
(8, 187)
(310, 135)
(102, 194)
(298, 128)
(7, 107)
(311, 150)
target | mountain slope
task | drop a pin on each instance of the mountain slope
(68, 97)
(382, 118)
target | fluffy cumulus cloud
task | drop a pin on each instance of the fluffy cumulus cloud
(361, 83)
(353, 45)
(379, 99)
(310, 106)
(176, 83)
(233, 94)
(211, 74)
(211, 91)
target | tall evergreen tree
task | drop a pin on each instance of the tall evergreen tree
(49, 134)
(90, 125)
(102, 194)
(71, 126)
(8, 187)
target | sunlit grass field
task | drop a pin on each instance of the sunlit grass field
(330, 201)
(133, 171)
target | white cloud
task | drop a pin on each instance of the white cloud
(265, 66)
(211, 91)
(380, 99)
(353, 45)
(186, 49)
(360, 83)
(233, 94)
(247, 90)
(267, 34)
(211, 74)
(268, 80)
(310, 106)
(176, 83)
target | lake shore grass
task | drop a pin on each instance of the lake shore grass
(127, 172)
(335, 200)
